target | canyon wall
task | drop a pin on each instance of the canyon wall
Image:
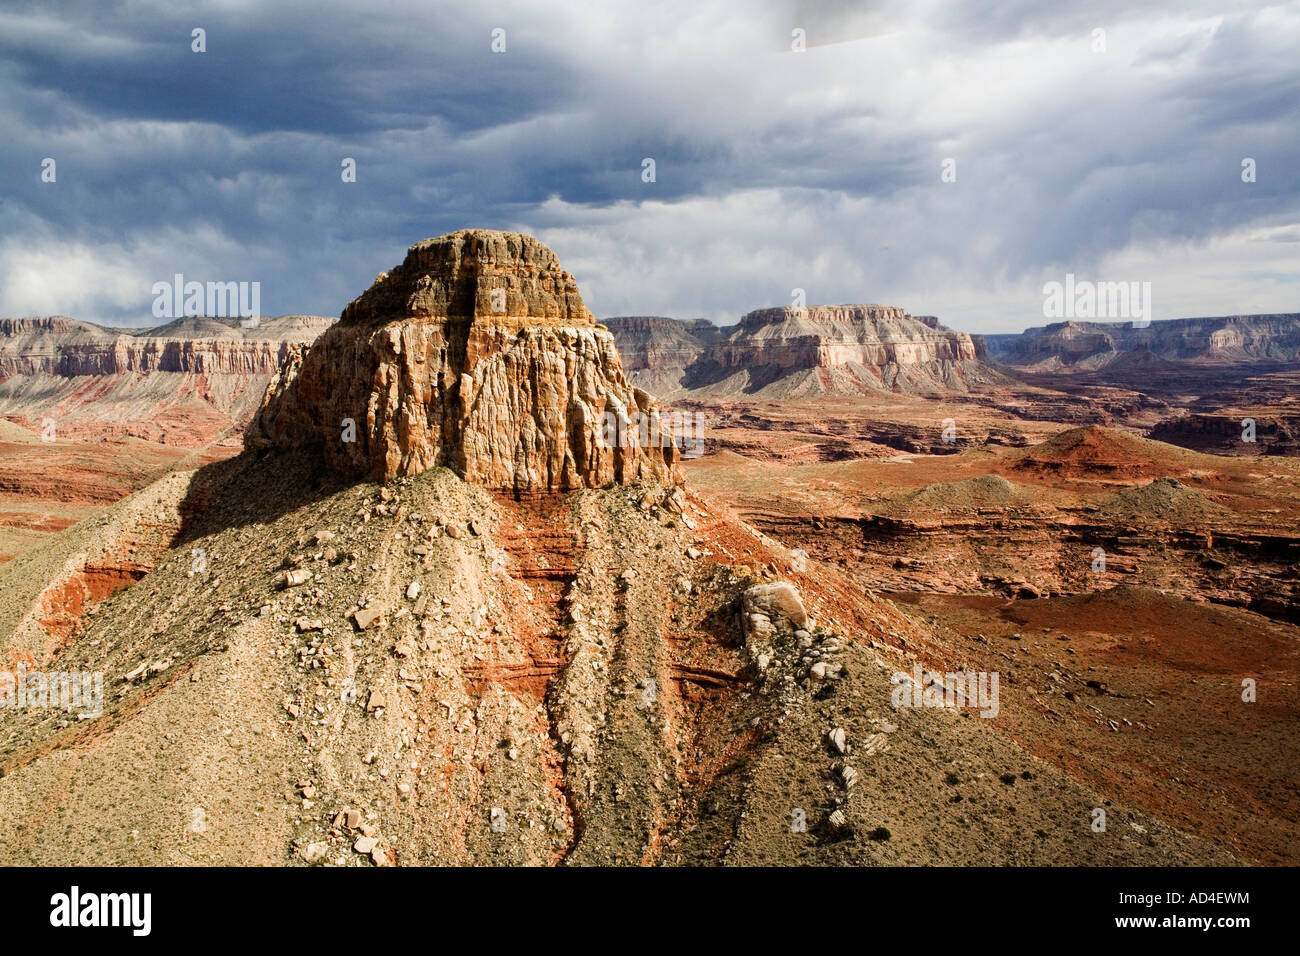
(1276, 432)
(783, 352)
(831, 335)
(187, 383)
(656, 342)
(67, 347)
(1225, 339)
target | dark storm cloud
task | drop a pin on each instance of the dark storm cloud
(774, 170)
(282, 67)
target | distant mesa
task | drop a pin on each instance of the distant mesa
(64, 347)
(1091, 346)
(792, 352)
(783, 353)
(476, 353)
(187, 383)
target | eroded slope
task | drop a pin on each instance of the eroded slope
(455, 676)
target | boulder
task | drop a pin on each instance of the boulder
(780, 599)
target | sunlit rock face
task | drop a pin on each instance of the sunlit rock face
(478, 353)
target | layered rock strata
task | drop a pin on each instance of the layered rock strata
(827, 336)
(1221, 340)
(68, 348)
(477, 353)
(787, 352)
(190, 383)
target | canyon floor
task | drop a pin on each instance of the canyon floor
(48, 486)
(1127, 673)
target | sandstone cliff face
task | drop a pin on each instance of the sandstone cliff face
(831, 335)
(478, 353)
(788, 352)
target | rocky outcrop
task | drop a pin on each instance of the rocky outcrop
(787, 352)
(563, 679)
(477, 353)
(1094, 345)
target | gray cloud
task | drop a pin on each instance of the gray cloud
(775, 169)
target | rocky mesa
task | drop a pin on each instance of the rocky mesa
(478, 353)
(835, 335)
(794, 351)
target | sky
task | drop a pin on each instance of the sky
(947, 156)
